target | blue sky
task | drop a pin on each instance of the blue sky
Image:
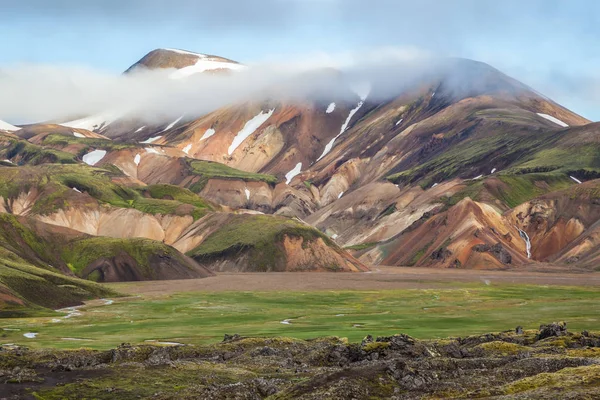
(548, 44)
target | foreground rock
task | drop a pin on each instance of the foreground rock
(496, 365)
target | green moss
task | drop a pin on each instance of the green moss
(376, 346)
(43, 288)
(362, 246)
(475, 153)
(57, 181)
(206, 170)
(565, 378)
(419, 254)
(522, 188)
(88, 143)
(83, 252)
(32, 154)
(261, 234)
(501, 348)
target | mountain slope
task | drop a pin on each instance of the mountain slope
(425, 167)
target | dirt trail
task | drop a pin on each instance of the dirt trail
(380, 278)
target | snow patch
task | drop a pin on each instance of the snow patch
(330, 108)
(247, 193)
(185, 52)
(203, 63)
(339, 315)
(249, 128)
(5, 126)
(152, 150)
(79, 135)
(433, 95)
(286, 322)
(151, 140)
(8, 161)
(93, 157)
(292, 174)
(434, 185)
(137, 159)
(477, 177)
(493, 170)
(209, 132)
(553, 119)
(77, 190)
(575, 179)
(30, 335)
(74, 339)
(399, 122)
(107, 302)
(329, 145)
(187, 149)
(172, 124)
(340, 195)
(94, 122)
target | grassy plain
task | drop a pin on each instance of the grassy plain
(457, 309)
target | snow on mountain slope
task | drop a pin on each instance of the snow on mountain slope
(93, 122)
(5, 126)
(329, 145)
(553, 119)
(249, 128)
(205, 63)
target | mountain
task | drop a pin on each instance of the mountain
(464, 167)
(185, 63)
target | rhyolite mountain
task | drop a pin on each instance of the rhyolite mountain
(464, 168)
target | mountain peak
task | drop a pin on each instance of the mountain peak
(189, 61)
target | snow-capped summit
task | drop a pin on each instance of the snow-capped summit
(185, 62)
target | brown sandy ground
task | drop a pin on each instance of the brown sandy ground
(380, 278)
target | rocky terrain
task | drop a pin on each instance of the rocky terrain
(548, 363)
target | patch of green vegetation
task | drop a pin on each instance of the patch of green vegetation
(56, 182)
(260, 234)
(522, 188)
(472, 191)
(453, 309)
(88, 143)
(182, 195)
(419, 254)
(388, 211)
(376, 347)
(38, 287)
(565, 378)
(32, 154)
(206, 170)
(516, 189)
(81, 253)
(499, 348)
(136, 382)
(362, 246)
(498, 149)
(562, 159)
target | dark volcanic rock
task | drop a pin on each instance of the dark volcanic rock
(553, 329)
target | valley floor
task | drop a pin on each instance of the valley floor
(425, 303)
(307, 335)
(380, 278)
